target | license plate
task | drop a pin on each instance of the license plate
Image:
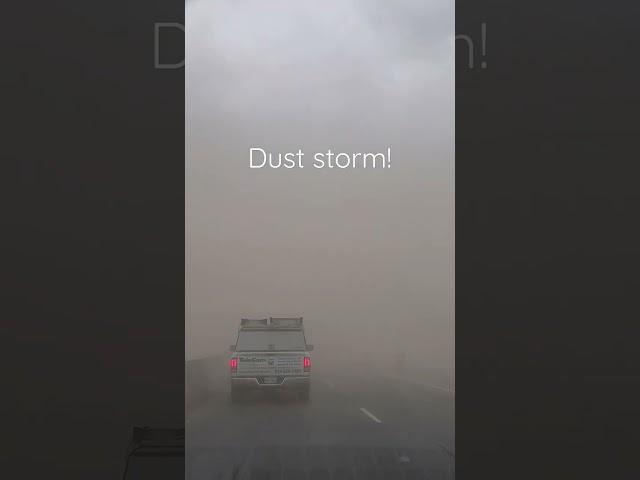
(270, 380)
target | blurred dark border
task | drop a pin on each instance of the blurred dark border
(547, 241)
(93, 295)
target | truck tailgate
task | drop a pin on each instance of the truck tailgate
(260, 364)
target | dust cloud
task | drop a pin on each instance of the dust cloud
(366, 256)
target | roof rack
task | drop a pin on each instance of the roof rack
(289, 322)
(154, 442)
(271, 323)
(254, 322)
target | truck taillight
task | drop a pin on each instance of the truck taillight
(307, 364)
(233, 365)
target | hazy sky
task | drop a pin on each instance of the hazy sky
(367, 256)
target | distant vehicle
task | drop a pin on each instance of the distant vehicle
(270, 354)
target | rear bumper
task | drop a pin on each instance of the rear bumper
(288, 383)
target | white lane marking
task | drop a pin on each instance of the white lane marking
(370, 415)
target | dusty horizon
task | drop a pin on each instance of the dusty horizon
(366, 256)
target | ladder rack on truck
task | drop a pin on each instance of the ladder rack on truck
(271, 323)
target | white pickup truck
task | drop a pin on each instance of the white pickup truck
(270, 354)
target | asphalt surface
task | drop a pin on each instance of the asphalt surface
(356, 426)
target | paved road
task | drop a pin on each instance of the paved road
(354, 427)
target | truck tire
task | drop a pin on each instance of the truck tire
(236, 396)
(305, 393)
